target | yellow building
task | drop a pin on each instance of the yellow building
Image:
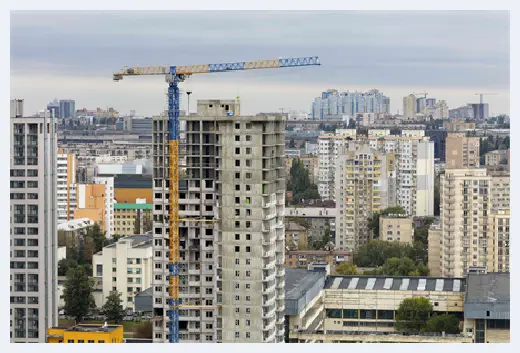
(127, 214)
(82, 333)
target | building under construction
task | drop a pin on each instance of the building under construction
(231, 227)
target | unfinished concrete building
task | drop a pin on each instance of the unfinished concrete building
(232, 228)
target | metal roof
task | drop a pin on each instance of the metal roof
(133, 206)
(396, 283)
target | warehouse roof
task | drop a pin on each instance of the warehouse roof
(396, 283)
(298, 281)
(487, 296)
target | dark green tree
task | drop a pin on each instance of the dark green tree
(376, 252)
(447, 323)
(299, 183)
(112, 308)
(292, 144)
(351, 124)
(413, 314)
(506, 142)
(77, 293)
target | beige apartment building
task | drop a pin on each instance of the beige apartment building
(462, 151)
(460, 125)
(396, 228)
(472, 221)
(496, 157)
(434, 249)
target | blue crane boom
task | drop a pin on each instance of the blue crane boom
(174, 75)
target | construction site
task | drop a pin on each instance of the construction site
(218, 208)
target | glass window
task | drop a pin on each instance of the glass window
(385, 314)
(350, 313)
(367, 314)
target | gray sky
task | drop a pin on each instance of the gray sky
(450, 55)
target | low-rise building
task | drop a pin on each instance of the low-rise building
(302, 258)
(125, 267)
(460, 125)
(498, 157)
(396, 228)
(296, 236)
(132, 218)
(71, 232)
(83, 333)
(487, 307)
(319, 216)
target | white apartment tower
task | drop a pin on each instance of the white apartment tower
(328, 147)
(232, 265)
(33, 238)
(66, 186)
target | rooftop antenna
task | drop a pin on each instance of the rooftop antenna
(188, 110)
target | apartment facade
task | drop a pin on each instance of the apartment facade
(333, 104)
(33, 240)
(462, 151)
(125, 267)
(396, 228)
(66, 186)
(328, 147)
(132, 218)
(468, 215)
(96, 202)
(231, 265)
(365, 183)
(496, 157)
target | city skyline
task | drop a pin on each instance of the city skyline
(73, 58)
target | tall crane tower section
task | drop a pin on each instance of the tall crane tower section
(175, 75)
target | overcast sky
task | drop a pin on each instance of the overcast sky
(72, 55)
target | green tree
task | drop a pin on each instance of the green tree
(292, 144)
(373, 221)
(299, 183)
(351, 124)
(77, 293)
(506, 142)
(113, 308)
(376, 253)
(447, 323)
(413, 314)
(346, 268)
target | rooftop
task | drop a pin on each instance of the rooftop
(133, 206)
(396, 283)
(92, 328)
(488, 288)
(298, 281)
(293, 226)
(139, 241)
(75, 224)
(132, 181)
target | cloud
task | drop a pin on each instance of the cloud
(441, 50)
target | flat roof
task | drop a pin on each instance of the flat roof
(93, 328)
(298, 281)
(488, 288)
(133, 206)
(138, 241)
(75, 224)
(420, 283)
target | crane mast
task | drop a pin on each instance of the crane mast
(175, 75)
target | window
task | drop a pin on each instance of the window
(237, 236)
(237, 175)
(248, 150)
(237, 334)
(237, 125)
(237, 273)
(70, 341)
(248, 334)
(237, 322)
(248, 137)
(237, 297)
(237, 163)
(248, 175)
(248, 286)
(237, 138)
(237, 285)
(248, 273)
(237, 248)
(248, 310)
(367, 314)
(237, 310)
(248, 261)
(248, 298)
(248, 249)
(248, 163)
(81, 341)
(248, 322)
(237, 187)
(248, 236)
(237, 261)
(237, 212)
(101, 341)
(248, 187)
(248, 224)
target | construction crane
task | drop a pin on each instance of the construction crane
(175, 75)
(482, 96)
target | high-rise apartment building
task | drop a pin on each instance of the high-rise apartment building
(66, 186)
(328, 147)
(462, 151)
(33, 240)
(16, 108)
(365, 184)
(409, 106)
(470, 220)
(67, 108)
(232, 264)
(333, 104)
